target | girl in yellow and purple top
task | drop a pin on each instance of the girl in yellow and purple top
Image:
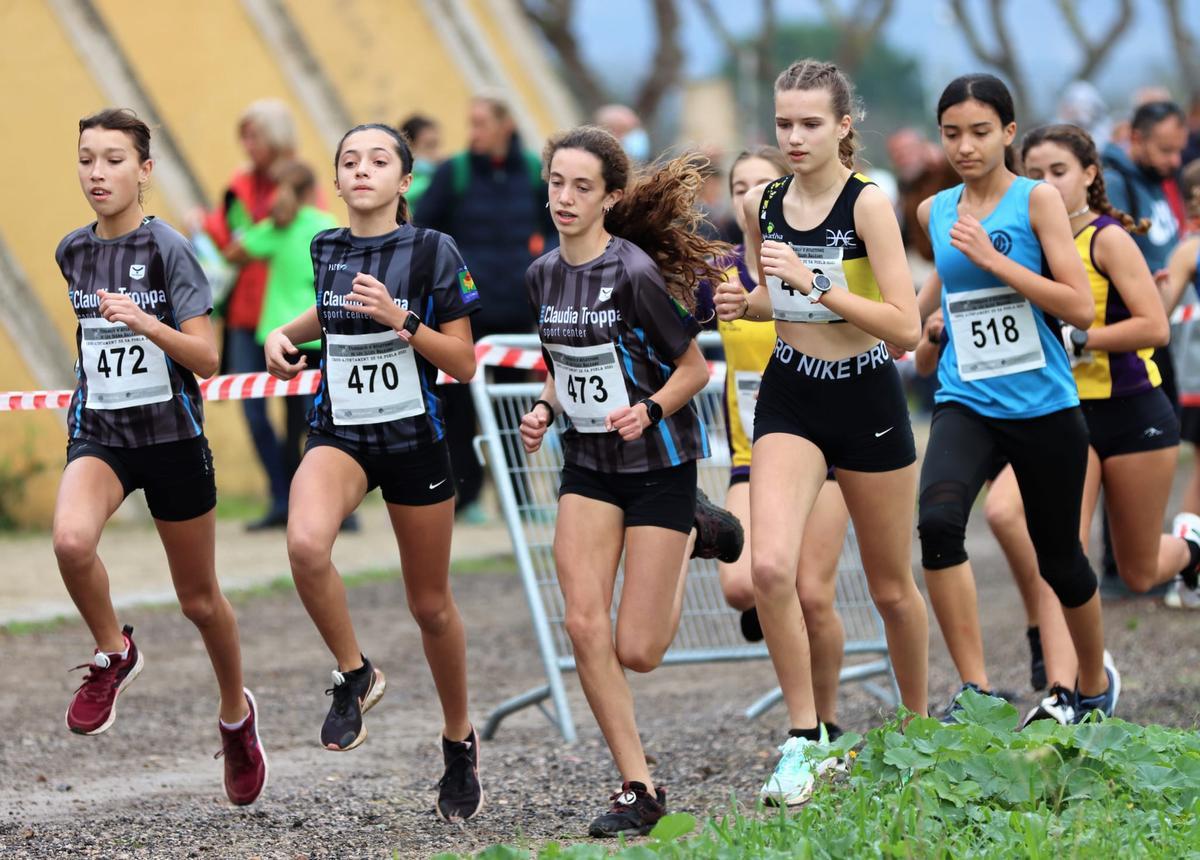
(748, 347)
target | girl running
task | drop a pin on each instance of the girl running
(748, 346)
(832, 273)
(392, 308)
(135, 422)
(618, 338)
(1005, 382)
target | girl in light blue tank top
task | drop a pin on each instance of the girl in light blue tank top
(1007, 265)
(1003, 357)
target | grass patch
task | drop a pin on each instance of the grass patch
(976, 789)
(43, 625)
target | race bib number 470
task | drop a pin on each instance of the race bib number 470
(372, 378)
(589, 384)
(123, 369)
(994, 333)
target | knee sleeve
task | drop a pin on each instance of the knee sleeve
(942, 525)
(1071, 577)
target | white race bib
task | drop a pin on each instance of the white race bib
(371, 378)
(746, 383)
(789, 304)
(123, 369)
(589, 384)
(994, 333)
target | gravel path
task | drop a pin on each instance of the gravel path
(149, 787)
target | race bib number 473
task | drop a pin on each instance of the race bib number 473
(589, 384)
(995, 333)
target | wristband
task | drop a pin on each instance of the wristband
(549, 408)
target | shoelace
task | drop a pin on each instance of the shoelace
(342, 693)
(615, 799)
(92, 685)
(236, 746)
(795, 755)
(457, 769)
(1061, 695)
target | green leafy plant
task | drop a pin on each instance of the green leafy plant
(15, 475)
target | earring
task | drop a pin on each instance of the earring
(547, 204)
(607, 209)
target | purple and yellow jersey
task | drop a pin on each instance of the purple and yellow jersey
(748, 346)
(1103, 375)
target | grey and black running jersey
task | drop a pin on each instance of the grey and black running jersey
(620, 298)
(425, 274)
(155, 265)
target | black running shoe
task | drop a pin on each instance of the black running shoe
(949, 715)
(354, 693)
(833, 730)
(1037, 662)
(719, 533)
(751, 629)
(634, 812)
(1059, 706)
(460, 796)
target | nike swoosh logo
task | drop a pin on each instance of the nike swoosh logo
(438, 484)
(884, 432)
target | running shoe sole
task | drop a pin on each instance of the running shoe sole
(437, 809)
(774, 799)
(261, 751)
(112, 715)
(373, 696)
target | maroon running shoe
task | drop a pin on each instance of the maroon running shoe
(245, 760)
(94, 705)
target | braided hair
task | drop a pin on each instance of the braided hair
(1081, 145)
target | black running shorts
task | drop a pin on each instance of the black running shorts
(661, 497)
(177, 477)
(1129, 425)
(421, 477)
(854, 409)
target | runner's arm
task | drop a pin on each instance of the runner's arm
(1117, 254)
(193, 344)
(449, 347)
(1181, 271)
(282, 342)
(731, 300)
(929, 297)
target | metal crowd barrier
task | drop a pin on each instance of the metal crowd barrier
(709, 631)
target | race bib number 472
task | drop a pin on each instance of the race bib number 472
(123, 369)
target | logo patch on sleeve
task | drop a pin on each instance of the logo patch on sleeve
(466, 285)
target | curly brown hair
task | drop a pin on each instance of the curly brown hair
(657, 212)
(1081, 145)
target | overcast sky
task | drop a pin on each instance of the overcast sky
(618, 37)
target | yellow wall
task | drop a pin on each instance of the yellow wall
(386, 61)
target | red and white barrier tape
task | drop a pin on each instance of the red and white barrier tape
(247, 386)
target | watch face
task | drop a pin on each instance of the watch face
(822, 282)
(411, 323)
(1079, 337)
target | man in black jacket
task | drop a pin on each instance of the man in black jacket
(491, 198)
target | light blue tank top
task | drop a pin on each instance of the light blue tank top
(1004, 357)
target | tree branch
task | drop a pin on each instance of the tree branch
(553, 18)
(1094, 52)
(1002, 58)
(665, 72)
(1185, 48)
(711, 17)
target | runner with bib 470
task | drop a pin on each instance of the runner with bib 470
(392, 307)
(136, 421)
(1005, 384)
(612, 303)
(833, 274)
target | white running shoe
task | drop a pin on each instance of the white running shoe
(1059, 706)
(801, 763)
(1179, 595)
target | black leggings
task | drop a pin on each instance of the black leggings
(1049, 457)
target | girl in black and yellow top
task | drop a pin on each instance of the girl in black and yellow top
(1132, 429)
(748, 347)
(837, 284)
(612, 314)
(392, 308)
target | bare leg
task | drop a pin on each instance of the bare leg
(588, 539)
(787, 476)
(1191, 494)
(423, 534)
(327, 487)
(736, 584)
(1006, 518)
(191, 555)
(885, 541)
(817, 584)
(1137, 488)
(1062, 666)
(88, 495)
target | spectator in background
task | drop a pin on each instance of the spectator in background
(626, 126)
(425, 140)
(268, 136)
(1191, 152)
(921, 170)
(282, 241)
(491, 199)
(712, 200)
(1082, 105)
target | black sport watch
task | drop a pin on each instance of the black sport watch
(653, 410)
(1079, 339)
(412, 322)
